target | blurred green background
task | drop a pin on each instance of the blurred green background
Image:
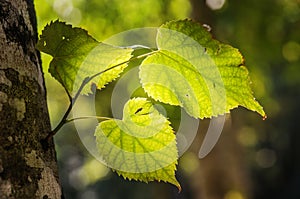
(253, 158)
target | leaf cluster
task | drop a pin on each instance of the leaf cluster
(188, 69)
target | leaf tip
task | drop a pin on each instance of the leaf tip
(264, 117)
(175, 182)
(179, 188)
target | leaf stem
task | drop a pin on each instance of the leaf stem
(88, 117)
(64, 119)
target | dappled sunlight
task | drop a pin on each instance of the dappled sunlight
(67, 11)
(265, 158)
(189, 162)
(291, 51)
(215, 4)
(92, 171)
(233, 194)
(247, 136)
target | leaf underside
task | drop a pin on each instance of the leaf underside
(192, 70)
(141, 146)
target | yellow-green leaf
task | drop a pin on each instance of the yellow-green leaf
(141, 146)
(192, 70)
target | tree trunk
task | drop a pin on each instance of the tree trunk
(27, 169)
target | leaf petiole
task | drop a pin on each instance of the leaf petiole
(88, 117)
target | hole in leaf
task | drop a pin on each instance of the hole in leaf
(138, 110)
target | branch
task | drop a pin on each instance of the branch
(64, 118)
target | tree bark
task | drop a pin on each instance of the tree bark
(27, 169)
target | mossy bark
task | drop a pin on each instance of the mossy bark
(27, 169)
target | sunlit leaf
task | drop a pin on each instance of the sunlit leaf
(192, 70)
(76, 55)
(141, 146)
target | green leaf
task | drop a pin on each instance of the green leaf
(76, 55)
(141, 146)
(192, 70)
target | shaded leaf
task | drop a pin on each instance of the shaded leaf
(76, 55)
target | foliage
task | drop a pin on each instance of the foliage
(188, 69)
(213, 72)
(76, 55)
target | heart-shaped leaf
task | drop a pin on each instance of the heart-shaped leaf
(141, 146)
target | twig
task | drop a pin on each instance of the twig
(73, 100)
